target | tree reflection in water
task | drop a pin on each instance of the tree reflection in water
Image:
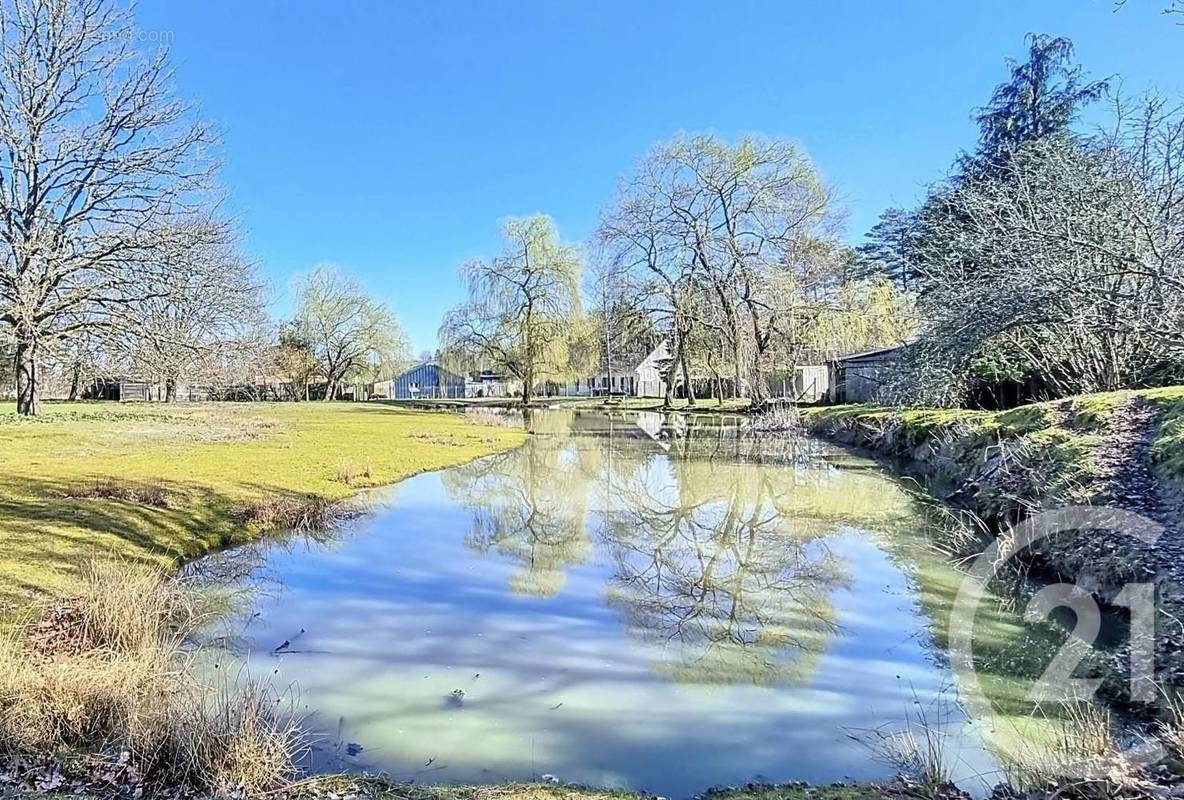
(709, 564)
(529, 505)
(717, 544)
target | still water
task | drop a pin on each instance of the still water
(626, 601)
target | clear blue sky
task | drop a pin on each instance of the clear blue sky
(390, 137)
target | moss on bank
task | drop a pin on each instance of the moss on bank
(73, 480)
(1039, 455)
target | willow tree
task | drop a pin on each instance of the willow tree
(522, 306)
(347, 331)
(95, 158)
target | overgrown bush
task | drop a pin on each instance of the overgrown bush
(299, 513)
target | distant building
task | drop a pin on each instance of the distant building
(428, 381)
(488, 383)
(807, 383)
(641, 378)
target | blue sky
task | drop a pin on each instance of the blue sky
(390, 137)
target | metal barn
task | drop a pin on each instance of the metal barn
(428, 381)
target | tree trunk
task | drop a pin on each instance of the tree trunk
(28, 392)
(688, 387)
(75, 381)
(170, 390)
(671, 371)
(527, 380)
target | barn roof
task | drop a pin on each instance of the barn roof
(868, 354)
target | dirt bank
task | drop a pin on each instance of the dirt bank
(1120, 451)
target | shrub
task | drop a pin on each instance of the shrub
(154, 495)
(300, 513)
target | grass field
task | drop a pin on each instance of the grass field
(168, 482)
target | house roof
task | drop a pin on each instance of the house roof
(423, 364)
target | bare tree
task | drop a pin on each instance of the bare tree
(728, 243)
(1067, 263)
(95, 157)
(644, 253)
(523, 306)
(346, 328)
(204, 302)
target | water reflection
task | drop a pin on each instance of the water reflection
(529, 505)
(622, 594)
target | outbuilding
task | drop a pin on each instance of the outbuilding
(858, 377)
(428, 381)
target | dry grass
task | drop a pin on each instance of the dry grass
(120, 678)
(352, 474)
(154, 496)
(442, 439)
(494, 417)
(1170, 730)
(920, 749)
(781, 418)
(302, 514)
(1081, 757)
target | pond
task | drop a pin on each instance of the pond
(627, 600)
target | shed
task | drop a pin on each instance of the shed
(858, 377)
(428, 381)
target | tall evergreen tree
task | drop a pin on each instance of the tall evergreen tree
(886, 253)
(1043, 97)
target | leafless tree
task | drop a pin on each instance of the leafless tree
(204, 309)
(95, 158)
(728, 245)
(1068, 262)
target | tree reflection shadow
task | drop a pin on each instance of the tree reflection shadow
(528, 505)
(717, 543)
(709, 564)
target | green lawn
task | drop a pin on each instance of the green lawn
(210, 460)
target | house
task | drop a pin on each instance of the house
(642, 378)
(858, 377)
(428, 380)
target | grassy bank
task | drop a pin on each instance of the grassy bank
(1121, 450)
(161, 483)
(1077, 450)
(348, 786)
